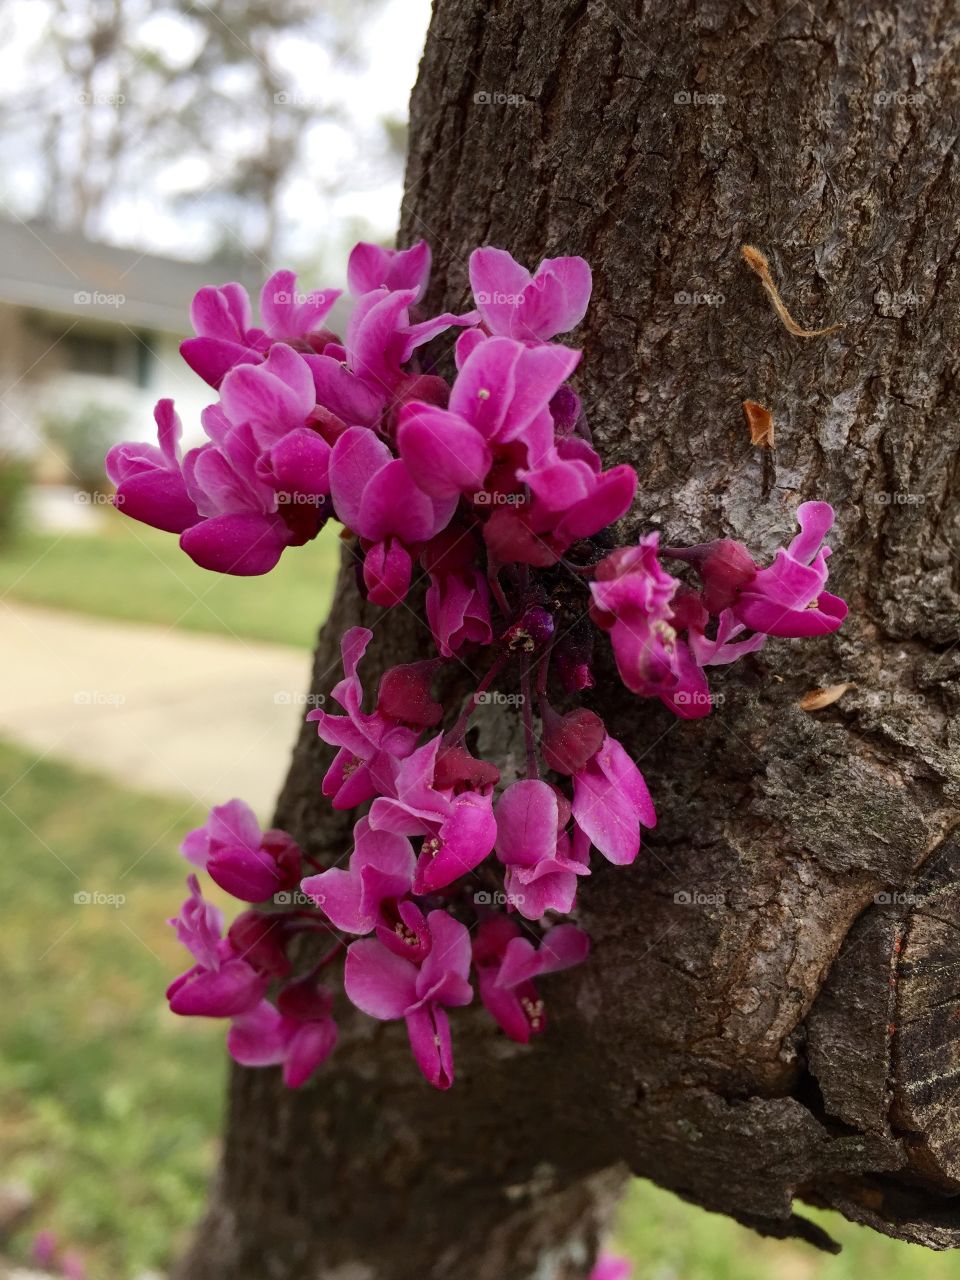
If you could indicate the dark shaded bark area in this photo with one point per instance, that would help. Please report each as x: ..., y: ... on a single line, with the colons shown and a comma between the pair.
x: 770, y: 1012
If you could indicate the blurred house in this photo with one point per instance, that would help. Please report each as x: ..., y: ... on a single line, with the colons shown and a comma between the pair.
x: 90, y: 332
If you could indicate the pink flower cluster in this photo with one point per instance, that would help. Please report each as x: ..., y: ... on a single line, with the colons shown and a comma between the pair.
x: 489, y: 490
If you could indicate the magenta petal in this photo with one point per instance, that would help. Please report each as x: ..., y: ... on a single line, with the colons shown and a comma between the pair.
x: 610, y: 801
x: 277, y: 394
x: 626, y: 780
x: 485, y: 386
x: 610, y: 499
x: 300, y: 464
x: 562, y: 948
x: 234, y: 823
x: 537, y: 890
x: 498, y: 282
x: 337, y: 893
x: 393, y: 505
x: 526, y: 815
x: 815, y: 520
x: 342, y: 392
x: 377, y: 981
x: 761, y: 613
x: 310, y: 1045
x: 445, y: 455
x: 503, y: 1004
x: 159, y: 499
x: 217, y: 993
x: 464, y: 840
x: 556, y: 299
x: 357, y: 455
x: 370, y: 267
x: 521, y: 963
x: 289, y: 315
x: 539, y: 373
x: 256, y: 1038
x: 429, y: 1032
x: 387, y: 568
x: 443, y: 975
x: 213, y: 358
x: 375, y: 337
x: 221, y: 312
x: 245, y: 545
x: 250, y: 877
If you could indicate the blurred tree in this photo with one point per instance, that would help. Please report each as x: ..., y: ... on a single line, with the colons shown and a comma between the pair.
x: 207, y: 108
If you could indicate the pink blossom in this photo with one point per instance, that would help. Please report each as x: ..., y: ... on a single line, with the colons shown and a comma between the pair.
x: 245, y: 529
x: 298, y: 1034
x: 632, y: 601
x: 221, y: 983
x: 248, y: 864
x: 369, y: 743
x: 611, y: 803
x: 375, y: 496
x: 501, y: 394
x: 569, y: 741
x: 372, y: 267
x: 150, y: 485
x: 223, y: 321
x: 387, y: 986
x: 787, y: 598
x: 261, y: 938
x: 458, y: 598
x: 506, y: 964
x: 459, y: 826
x: 369, y: 894
x: 542, y: 862
x: 532, y: 309
x: 381, y: 336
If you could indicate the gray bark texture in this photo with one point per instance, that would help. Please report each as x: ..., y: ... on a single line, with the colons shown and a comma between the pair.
x: 770, y: 1014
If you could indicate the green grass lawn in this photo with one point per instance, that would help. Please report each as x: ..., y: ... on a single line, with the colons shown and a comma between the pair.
x: 129, y: 571
x: 111, y: 1107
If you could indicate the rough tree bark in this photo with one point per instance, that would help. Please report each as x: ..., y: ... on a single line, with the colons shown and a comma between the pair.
x: 770, y: 1010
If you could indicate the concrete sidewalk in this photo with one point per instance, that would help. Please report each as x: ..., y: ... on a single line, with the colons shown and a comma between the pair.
x: 159, y: 709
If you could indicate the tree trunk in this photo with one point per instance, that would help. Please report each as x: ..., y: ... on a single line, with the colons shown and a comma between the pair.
x: 770, y: 1009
